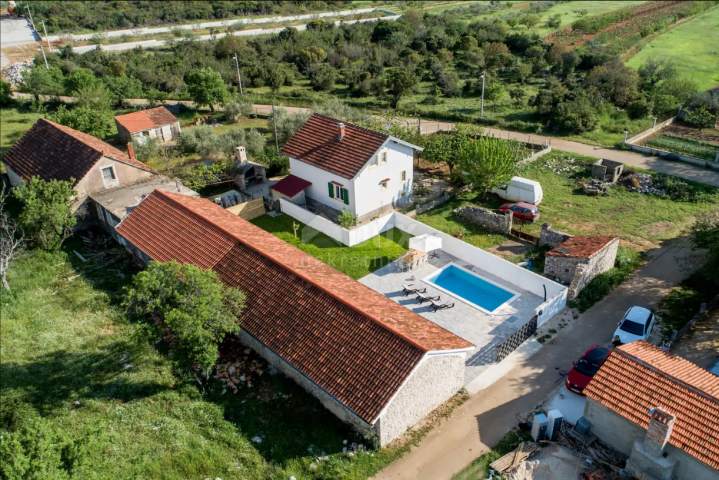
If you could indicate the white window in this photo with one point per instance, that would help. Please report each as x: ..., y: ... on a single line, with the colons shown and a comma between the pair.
x: 109, y: 177
x: 339, y: 194
x: 384, y: 185
x: 373, y: 162
x: 404, y: 175
x: 383, y: 157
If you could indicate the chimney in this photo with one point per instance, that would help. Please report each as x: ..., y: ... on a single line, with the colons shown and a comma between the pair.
x: 659, y: 430
x: 130, y: 151
x: 341, y: 126
x: 241, y: 155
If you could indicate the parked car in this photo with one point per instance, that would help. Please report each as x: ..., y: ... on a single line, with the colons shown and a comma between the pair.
x: 636, y: 325
x: 520, y: 189
x: 521, y: 210
x: 585, y: 368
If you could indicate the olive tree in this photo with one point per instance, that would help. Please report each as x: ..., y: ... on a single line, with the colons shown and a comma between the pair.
x: 488, y: 162
x: 47, y: 216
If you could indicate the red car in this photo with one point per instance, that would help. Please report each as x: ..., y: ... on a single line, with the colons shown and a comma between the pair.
x: 521, y: 210
x: 587, y: 366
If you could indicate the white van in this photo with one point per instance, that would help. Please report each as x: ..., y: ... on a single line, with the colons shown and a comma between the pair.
x: 520, y: 189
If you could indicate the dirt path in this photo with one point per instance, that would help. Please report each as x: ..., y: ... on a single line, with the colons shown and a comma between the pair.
x: 678, y: 169
x: 701, y: 344
x: 490, y: 413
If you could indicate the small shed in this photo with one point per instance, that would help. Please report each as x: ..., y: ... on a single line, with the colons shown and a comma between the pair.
x: 607, y: 171
x: 156, y: 122
x: 290, y: 188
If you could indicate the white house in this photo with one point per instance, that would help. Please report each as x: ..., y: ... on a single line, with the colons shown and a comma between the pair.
x: 350, y: 167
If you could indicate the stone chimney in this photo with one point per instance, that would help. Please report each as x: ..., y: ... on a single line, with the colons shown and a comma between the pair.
x: 659, y: 430
x: 341, y: 127
x: 241, y: 155
x: 130, y: 151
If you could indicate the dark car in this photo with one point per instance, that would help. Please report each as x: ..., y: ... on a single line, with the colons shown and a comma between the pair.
x: 584, y: 369
x: 521, y: 210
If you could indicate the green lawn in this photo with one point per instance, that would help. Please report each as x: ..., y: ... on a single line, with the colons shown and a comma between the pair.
x: 85, y: 396
x: 684, y: 146
x: 357, y: 261
x: 693, y: 47
x: 14, y: 123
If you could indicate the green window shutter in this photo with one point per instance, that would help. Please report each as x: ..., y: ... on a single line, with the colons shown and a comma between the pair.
x: 346, y: 196
x: 332, y: 190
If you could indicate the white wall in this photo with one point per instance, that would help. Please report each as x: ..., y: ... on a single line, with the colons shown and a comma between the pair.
x: 15, y: 179
x: 318, y: 191
x: 368, y: 191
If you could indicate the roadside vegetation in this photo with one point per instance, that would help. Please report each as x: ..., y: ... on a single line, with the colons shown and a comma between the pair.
x: 684, y: 146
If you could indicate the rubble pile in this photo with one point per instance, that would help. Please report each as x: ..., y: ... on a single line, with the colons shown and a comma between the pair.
x: 564, y: 165
x: 644, y: 184
x: 14, y: 73
x: 238, y: 370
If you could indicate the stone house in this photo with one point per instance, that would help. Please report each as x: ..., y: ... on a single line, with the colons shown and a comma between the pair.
x: 350, y: 167
x: 156, y: 122
x: 108, y: 182
x: 658, y: 408
x: 579, y: 259
x: 371, y: 362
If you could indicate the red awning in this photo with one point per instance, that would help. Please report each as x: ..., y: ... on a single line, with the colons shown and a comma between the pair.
x: 291, y: 185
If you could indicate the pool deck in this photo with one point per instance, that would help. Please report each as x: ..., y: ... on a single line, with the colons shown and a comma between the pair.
x: 483, y: 330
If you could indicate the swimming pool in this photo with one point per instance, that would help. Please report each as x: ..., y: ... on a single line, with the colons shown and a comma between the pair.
x: 471, y: 288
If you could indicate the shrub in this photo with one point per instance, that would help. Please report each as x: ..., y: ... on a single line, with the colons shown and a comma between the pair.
x: 235, y: 110
x: 347, y: 219
x: 639, y: 109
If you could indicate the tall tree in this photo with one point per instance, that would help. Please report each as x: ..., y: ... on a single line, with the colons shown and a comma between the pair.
x: 187, y: 306
x: 206, y: 87
x: 447, y: 148
x: 488, y: 162
x: 47, y: 216
x: 400, y: 83
x: 11, y: 239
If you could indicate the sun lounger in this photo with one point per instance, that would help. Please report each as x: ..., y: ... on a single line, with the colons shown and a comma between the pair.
x: 426, y: 298
x: 436, y: 305
x: 412, y: 288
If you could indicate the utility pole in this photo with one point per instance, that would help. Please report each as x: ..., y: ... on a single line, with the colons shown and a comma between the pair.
x: 274, y: 122
x: 30, y: 15
x: 49, y: 47
x: 481, y: 110
x: 239, y: 77
x: 43, y: 56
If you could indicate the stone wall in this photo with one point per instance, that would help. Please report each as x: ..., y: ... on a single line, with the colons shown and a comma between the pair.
x: 561, y: 268
x: 327, y: 400
x: 431, y: 384
x: 552, y: 237
x: 425, y: 207
x: 495, y: 222
x: 578, y: 272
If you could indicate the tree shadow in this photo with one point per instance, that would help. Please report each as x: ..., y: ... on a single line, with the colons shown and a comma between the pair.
x: 61, y: 376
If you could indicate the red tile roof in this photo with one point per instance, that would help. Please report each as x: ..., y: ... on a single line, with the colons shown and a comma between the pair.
x: 291, y: 185
x: 350, y: 340
x: 639, y: 376
x: 581, y: 246
x: 145, y: 119
x: 317, y: 143
x: 53, y: 151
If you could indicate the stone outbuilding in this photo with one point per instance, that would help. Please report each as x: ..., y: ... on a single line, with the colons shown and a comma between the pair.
x: 579, y: 259
x: 156, y: 122
x: 658, y: 408
x: 290, y: 188
x: 373, y: 363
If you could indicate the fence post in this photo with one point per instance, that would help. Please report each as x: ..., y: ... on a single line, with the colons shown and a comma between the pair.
x: 654, y: 125
x: 625, y: 137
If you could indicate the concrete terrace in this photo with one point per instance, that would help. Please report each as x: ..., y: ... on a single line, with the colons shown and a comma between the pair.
x: 485, y: 331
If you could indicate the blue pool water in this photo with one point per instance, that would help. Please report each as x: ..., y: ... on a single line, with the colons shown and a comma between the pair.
x: 471, y: 288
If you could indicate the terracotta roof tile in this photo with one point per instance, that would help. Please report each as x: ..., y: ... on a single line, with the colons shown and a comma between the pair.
x: 53, y: 151
x: 317, y: 143
x: 350, y: 340
x: 145, y: 119
x: 639, y: 376
x: 291, y: 185
x: 581, y: 246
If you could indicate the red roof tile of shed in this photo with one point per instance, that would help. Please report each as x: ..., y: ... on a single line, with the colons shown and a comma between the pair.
x: 639, y: 376
x: 55, y: 152
x: 146, y: 119
x: 317, y: 143
x: 581, y: 246
x: 291, y: 185
x: 350, y: 340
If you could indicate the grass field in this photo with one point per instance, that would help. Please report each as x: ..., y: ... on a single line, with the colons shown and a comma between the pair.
x: 692, y: 46
x: 357, y: 261
x: 13, y: 125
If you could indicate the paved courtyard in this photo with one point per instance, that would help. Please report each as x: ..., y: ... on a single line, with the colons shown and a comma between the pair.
x: 484, y: 330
